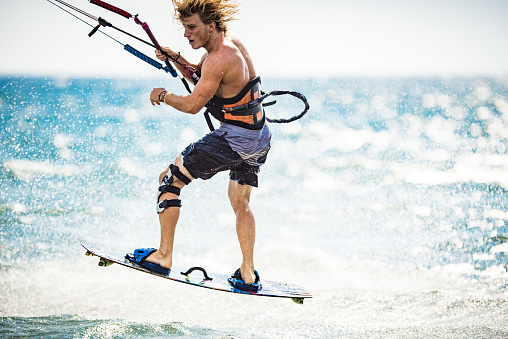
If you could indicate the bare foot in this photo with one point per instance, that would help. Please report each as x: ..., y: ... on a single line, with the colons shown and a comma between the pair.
x: 158, y: 258
x: 248, y: 277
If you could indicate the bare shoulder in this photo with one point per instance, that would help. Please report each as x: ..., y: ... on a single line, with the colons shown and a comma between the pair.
x: 236, y: 41
x: 228, y: 66
x: 217, y: 62
x: 225, y: 59
x: 243, y: 50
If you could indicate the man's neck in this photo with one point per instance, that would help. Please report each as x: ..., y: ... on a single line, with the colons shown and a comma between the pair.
x: 216, y: 39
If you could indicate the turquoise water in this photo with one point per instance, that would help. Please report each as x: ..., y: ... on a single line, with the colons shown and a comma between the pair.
x: 388, y: 202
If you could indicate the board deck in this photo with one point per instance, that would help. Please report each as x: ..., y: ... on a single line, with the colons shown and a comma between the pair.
x: 197, y: 277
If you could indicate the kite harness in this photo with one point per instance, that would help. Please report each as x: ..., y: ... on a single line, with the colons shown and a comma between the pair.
x: 244, y: 110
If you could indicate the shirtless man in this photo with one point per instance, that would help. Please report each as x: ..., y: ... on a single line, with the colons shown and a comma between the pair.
x: 240, y: 145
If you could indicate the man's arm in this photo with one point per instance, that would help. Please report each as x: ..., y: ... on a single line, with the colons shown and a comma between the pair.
x: 211, y: 77
x: 180, y: 58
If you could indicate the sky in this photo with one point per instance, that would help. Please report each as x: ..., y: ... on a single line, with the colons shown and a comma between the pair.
x: 302, y: 39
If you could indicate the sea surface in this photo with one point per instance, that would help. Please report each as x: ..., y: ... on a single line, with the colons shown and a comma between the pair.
x: 388, y: 202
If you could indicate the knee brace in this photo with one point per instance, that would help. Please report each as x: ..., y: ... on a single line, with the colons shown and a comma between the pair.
x: 167, y: 187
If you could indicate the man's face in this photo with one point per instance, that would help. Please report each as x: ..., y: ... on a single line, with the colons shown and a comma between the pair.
x: 196, y: 31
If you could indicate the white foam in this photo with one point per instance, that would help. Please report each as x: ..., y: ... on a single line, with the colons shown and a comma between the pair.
x: 441, y: 130
x: 502, y: 248
x: 66, y: 153
x: 484, y: 113
x: 62, y: 140
x: 131, y: 168
x: 483, y: 92
x: 293, y: 128
x: 431, y: 176
x: 456, y: 112
x: 497, y: 128
x: 19, y: 208
x: 502, y: 106
x: 436, y: 100
x: 27, y: 169
x: 495, y: 214
x: 131, y: 115
x: 483, y: 256
x: 477, y: 168
x: 475, y: 130
x: 188, y: 135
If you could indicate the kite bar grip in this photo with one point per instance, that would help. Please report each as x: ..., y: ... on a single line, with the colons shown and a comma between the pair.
x: 111, y: 8
x: 192, y: 269
x: 146, y: 58
x: 146, y: 28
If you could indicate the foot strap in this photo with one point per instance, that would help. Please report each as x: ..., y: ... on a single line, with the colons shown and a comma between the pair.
x: 237, y: 282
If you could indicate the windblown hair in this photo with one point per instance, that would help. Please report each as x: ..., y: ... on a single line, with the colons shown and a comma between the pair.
x: 218, y: 11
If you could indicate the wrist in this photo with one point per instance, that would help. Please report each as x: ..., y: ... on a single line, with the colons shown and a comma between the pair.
x: 162, y: 95
x: 166, y: 94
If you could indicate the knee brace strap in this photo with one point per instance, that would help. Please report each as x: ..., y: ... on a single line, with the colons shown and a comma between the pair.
x: 167, y: 187
x: 161, y: 206
x: 175, y: 170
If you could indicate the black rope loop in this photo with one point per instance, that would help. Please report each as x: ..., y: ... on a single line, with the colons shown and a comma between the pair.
x: 294, y: 118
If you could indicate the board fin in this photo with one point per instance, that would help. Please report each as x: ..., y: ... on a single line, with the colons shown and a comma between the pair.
x: 103, y: 262
x: 299, y: 301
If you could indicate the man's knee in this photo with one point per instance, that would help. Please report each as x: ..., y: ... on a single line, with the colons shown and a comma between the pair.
x: 180, y: 175
x: 171, y: 183
x: 163, y: 175
x: 239, y: 196
x: 238, y: 203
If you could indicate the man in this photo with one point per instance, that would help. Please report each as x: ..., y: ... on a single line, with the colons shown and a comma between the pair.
x: 241, y: 144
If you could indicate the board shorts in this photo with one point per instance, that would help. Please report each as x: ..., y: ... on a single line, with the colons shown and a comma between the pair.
x: 213, y: 154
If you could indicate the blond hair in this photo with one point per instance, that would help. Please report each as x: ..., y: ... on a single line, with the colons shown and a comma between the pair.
x: 219, y: 11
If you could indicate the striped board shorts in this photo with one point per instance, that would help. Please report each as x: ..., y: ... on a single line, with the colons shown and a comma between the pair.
x: 224, y: 149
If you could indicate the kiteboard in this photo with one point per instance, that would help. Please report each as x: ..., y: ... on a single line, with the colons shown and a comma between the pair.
x: 198, y: 276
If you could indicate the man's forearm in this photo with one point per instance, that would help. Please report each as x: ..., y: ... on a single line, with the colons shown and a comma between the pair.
x: 178, y: 57
x: 182, y: 103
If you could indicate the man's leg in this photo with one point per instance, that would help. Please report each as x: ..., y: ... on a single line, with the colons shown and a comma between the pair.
x: 239, y: 196
x: 168, y: 219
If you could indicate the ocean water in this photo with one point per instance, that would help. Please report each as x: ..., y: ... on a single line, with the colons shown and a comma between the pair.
x: 387, y: 201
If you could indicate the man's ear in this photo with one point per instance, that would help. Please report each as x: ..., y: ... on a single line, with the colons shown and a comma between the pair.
x: 212, y: 26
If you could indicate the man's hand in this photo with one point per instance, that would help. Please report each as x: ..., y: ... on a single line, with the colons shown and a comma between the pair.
x: 161, y: 56
x: 155, y: 96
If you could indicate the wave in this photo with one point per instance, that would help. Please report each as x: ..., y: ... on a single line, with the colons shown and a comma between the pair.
x: 69, y: 326
x: 27, y: 169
